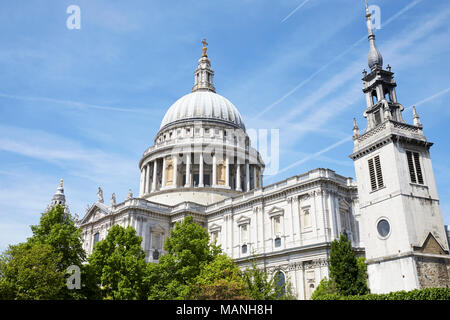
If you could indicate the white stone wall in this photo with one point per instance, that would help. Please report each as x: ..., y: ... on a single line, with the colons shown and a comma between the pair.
x: 302, y: 254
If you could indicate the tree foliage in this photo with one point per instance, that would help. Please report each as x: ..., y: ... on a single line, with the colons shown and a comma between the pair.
x: 30, y: 271
x: 57, y: 229
x: 345, y: 271
x: 326, y: 287
x: 54, y: 246
x: 221, y: 279
x: 262, y: 286
x: 188, y: 251
x: 118, y: 264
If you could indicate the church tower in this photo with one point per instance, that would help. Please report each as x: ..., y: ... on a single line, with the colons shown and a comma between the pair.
x: 401, y: 222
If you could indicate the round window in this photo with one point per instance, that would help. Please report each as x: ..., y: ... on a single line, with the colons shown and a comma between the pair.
x: 383, y: 228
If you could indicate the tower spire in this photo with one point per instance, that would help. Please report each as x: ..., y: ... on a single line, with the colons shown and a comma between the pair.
x: 375, y: 60
x: 204, y: 74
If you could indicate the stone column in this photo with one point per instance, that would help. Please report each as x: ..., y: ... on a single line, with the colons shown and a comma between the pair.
x: 260, y: 178
x: 227, y: 172
x: 254, y: 177
x: 155, y: 167
x: 142, y: 186
x: 163, y: 182
x: 238, y: 175
x: 175, y: 171
x: 147, y: 178
x: 200, y: 183
x: 188, y: 170
x: 247, y: 176
x: 214, y: 171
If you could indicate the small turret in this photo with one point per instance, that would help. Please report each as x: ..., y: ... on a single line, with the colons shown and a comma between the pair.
x: 416, y: 118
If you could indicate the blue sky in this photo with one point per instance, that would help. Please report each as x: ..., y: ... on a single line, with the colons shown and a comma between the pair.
x: 85, y: 104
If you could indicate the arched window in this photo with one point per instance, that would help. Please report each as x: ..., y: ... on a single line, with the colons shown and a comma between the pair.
x: 387, y: 95
x: 374, y: 97
x: 280, y: 283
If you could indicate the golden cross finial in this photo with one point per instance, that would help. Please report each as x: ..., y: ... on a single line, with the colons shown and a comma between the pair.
x: 368, y: 15
x: 61, y: 183
x: 204, y: 47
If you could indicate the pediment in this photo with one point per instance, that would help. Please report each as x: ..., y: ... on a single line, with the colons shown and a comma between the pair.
x: 344, y: 205
x: 157, y: 228
x: 214, y: 227
x: 243, y: 220
x: 431, y: 245
x: 97, y: 211
x: 275, y: 211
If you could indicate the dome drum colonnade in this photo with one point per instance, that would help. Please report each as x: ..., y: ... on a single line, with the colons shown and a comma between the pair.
x: 202, y: 143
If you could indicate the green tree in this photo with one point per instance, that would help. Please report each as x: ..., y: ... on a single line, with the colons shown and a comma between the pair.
x: 221, y: 279
x: 57, y: 229
x: 262, y: 286
x: 30, y: 271
x: 118, y: 264
x: 349, y: 277
x: 188, y: 251
x: 326, y: 287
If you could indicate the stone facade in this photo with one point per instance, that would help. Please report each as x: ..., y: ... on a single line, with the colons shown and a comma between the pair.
x: 433, y: 271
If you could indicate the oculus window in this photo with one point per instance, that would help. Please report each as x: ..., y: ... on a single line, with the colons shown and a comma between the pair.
x: 383, y: 228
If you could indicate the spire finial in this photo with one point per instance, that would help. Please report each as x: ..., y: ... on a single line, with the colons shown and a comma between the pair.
x: 205, y: 44
x: 375, y: 58
x: 61, y: 183
x: 416, y: 117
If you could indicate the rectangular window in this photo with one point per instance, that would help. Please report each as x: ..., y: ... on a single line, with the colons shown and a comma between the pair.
x: 376, y: 176
x: 156, y: 240
x: 306, y: 218
x: 96, y: 238
x: 415, y: 170
x: 276, y: 226
x: 244, y: 233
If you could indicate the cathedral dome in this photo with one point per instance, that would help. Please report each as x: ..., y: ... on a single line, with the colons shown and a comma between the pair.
x: 203, y: 105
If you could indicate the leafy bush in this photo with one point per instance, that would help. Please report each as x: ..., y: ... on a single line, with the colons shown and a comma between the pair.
x: 326, y: 288
x: 417, y: 294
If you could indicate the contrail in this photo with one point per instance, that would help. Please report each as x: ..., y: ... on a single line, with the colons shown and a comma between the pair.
x: 75, y: 104
x: 332, y: 61
x: 440, y: 93
x: 314, y: 155
x: 295, y: 10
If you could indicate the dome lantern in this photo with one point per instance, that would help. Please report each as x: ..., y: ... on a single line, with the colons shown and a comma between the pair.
x: 204, y: 75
